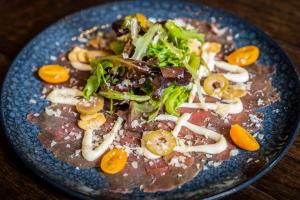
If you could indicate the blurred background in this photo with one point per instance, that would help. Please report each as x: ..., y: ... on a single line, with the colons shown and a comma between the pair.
x: 21, y: 20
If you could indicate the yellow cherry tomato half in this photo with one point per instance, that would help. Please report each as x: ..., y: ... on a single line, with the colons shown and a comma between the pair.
x: 91, y: 106
x: 243, y: 138
x: 113, y: 161
x: 54, y: 73
x: 243, y: 56
x: 215, y: 84
x: 159, y: 142
x: 93, y: 121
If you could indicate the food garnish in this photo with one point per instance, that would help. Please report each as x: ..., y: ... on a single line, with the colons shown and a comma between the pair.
x: 54, y: 73
x: 159, y: 142
x: 154, y: 90
x: 93, y: 121
x: 113, y: 161
x: 244, y: 56
x: 215, y: 84
x: 91, y: 106
x: 243, y: 139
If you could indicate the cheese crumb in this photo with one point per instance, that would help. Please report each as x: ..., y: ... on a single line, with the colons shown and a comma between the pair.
x: 32, y: 101
x: 217, y: 164
x: 134, y: 123
x: 51, y: 112
x: 234, y: 152
x: 53, y: 143
x: 134, y: 164
x: 260, y: 136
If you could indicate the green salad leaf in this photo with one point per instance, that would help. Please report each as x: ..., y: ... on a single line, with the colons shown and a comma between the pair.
x: 192, y: 64
x: 166, y: 53
x: 98, y: 77
x: 179, y: 95
x: 141, y: 43
x: 172, y: 97
x: 132, y: 24
x: 183, y: 34
x: 128, y: 96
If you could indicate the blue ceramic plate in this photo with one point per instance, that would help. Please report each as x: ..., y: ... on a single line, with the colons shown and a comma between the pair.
x: 21, y: 85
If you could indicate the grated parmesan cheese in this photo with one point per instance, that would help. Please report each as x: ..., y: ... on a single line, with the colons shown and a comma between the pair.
x: 32, y: 101
x: 234, y: 152
x: 52, y: 112
x: 134, y: 123
x: 134, y: 164
x: 53, y: 143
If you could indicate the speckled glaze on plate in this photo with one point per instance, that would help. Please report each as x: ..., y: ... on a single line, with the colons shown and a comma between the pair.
x: 21, y: 85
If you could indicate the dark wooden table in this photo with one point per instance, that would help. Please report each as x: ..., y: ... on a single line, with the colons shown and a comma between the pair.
x: 22, y: 20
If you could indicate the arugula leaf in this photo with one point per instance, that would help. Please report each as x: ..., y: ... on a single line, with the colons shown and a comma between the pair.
x: 183, y: 34
x: 112, y: 94
x: 172, y: 97
x: 141, y: 43
x: 91, y: 86
x: 144, y: 107
x: 98, y: 77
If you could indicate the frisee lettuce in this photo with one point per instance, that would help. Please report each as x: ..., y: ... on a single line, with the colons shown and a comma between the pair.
x: 179, y: 33
x: 141, y: 43
x: 166, y: 53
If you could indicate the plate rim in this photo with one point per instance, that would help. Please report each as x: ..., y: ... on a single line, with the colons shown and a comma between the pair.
x: 283, y: 151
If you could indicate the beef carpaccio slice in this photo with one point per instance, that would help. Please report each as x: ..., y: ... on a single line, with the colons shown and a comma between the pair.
x: 60, y: 134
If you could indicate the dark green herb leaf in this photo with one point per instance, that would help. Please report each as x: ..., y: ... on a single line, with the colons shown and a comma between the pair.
x: 112, y: 94
x: 141, y: 43
x: 98, y: 77
x: 183, y: 34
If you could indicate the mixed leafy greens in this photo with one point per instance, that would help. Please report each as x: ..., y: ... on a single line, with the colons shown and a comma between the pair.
x: 154, y: 46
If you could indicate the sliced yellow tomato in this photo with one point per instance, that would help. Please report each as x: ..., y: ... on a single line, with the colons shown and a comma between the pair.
x: 91, y: 106
x: 159, y: 142
x: 243, y: 56
x: 54, y: 73
x: 215, y: 84
x: 113, y: 161
x: 243, y: 138
x: 91, y: 122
